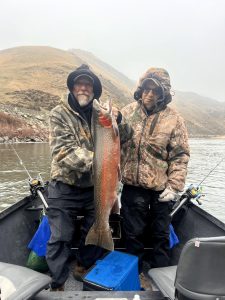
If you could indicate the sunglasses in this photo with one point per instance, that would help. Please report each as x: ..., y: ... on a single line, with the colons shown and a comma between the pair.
x: 156, y: 91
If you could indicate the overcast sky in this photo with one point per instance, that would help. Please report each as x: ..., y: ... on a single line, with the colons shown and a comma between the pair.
x: 186, y: 37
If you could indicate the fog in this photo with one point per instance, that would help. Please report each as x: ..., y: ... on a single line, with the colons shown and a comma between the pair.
x: 185, y: 37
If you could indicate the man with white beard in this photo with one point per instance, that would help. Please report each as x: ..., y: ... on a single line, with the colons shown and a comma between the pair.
x: 71, y: 191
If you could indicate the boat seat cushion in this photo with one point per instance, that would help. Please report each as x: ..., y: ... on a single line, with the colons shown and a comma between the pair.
x: 201, y: 269
x: 18, y: 282
x: 164, y: 278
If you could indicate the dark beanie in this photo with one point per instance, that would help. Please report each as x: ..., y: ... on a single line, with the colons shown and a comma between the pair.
x: 85, y: 70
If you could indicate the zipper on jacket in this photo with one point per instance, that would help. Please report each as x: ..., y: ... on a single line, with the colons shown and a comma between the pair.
x: 139, y: 152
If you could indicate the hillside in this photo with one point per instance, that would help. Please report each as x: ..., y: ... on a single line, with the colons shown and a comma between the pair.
x: 32, y: 80
x: 45, y: 70
x: 109, y: 72
x: 204, y: 116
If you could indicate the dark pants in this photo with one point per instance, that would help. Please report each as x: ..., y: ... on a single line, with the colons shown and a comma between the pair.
x: 139, y: 207
x: 65, y: 204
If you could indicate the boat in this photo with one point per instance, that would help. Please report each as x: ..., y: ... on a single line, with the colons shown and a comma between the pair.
x: 193, y: 226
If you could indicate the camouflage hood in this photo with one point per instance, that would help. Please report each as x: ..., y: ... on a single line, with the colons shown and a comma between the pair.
x: 160, y: 77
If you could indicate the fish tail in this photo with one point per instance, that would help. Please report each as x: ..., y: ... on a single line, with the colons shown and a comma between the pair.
x: 101, y: 238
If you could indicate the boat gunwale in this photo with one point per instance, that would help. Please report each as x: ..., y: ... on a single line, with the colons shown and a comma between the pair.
x: 91, y: 295
x: 15, y: 206
x: 29, y: 199
x: 208, y: 216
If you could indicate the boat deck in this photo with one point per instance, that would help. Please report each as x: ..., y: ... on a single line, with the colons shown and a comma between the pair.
x: 190, y: 222
x: 74, y: 290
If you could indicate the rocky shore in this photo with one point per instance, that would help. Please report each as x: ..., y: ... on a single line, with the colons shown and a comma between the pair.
x: 24, y: 125
x: 18, y: 124
x: 33, y: 139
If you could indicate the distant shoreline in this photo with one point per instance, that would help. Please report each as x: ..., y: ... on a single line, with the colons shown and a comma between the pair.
x: 37, y: 140
x: 216, y: 137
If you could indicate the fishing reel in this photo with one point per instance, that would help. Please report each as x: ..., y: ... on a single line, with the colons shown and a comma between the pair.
x: 36, y: 184
x: 194, y: 192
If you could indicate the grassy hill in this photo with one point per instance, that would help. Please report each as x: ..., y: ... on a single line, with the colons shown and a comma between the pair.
x: 32, y: 80
x: 204, y: 116
x: 110, y: 73
x: 40, y: 73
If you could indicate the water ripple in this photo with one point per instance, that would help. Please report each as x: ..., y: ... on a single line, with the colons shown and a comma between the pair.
x: 205, y: 155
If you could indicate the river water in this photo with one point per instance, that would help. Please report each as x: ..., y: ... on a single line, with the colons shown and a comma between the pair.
x: 205, y: 155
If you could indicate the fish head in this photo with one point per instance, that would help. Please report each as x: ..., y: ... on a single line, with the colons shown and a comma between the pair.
x: 104, y: 113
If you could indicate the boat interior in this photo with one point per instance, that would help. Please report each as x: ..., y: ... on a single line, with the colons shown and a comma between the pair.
x: 196, y: 271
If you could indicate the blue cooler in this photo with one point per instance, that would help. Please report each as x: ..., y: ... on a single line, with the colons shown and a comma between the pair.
x: 117, y: 271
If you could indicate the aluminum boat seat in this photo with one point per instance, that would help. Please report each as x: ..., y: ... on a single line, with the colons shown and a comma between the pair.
x: 164, y: 279
x: 200, y: 274
x: 18, y: 282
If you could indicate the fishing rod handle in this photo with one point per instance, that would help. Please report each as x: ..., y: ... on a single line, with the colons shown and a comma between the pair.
x: 183, y: 201
x: 42, y: 199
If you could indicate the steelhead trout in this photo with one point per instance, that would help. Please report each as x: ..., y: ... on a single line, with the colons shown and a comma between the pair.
x: 106, y: 172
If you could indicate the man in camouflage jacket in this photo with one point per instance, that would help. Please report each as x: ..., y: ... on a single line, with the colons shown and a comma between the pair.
x: 71, y: 191
x: 154, y: 165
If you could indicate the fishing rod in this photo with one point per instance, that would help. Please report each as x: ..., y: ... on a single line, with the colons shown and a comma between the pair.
x: 192, y: 192
x: 21, y: 162
x: 210, y: 172
x: 35, y: 185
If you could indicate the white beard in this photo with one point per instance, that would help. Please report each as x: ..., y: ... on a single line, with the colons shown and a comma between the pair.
x: 84, y: 100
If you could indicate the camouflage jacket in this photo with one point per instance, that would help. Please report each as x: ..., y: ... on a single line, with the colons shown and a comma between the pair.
x: 158, y: 153
x: 71, y: 144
